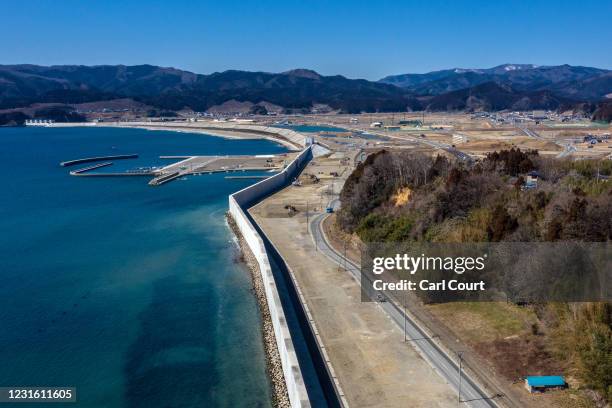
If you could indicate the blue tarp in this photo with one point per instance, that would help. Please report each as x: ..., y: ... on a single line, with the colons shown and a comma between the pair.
x: 546, y: 381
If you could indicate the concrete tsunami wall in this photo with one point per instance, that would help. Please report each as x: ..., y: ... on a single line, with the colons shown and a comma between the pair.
x: 238, y: 204
x: 289, y: 135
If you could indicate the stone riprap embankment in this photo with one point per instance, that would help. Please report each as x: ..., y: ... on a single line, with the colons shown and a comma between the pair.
x: 273, y: 360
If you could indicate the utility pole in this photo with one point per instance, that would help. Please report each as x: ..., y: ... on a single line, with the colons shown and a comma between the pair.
x: 460, y: 354
x: 405, y: 318
x: 307, y: 218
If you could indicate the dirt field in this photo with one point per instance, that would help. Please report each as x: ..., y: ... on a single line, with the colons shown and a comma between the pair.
x: 375, y: 367
x: 484, y: 135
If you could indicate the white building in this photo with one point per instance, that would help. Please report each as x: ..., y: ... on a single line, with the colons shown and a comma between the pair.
x: 39, y: 122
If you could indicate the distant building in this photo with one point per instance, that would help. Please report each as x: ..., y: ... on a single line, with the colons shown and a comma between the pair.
x: 544, y: 382
x: 39, y: 122
x: 532, y: 179
x: 413, y: 123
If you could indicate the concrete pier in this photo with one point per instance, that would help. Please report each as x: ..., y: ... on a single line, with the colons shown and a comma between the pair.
x: 220, y: 164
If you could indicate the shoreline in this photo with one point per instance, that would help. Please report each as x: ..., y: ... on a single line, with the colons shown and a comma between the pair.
x: 247, y: 134
x: 280, y: 396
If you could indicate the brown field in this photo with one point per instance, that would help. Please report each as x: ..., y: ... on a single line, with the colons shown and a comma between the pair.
x: 484, y: 135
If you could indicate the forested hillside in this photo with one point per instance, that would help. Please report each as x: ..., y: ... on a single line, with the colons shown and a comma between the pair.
x: 400, y: 196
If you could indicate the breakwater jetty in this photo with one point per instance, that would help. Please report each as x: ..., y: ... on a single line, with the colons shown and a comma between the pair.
x: 164, y: 178
x: 85, y: 169
x: 131, y: 173
x: 98, y: 158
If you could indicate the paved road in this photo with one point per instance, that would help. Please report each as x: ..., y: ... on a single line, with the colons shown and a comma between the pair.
x: 568, y: 148
x: 531, y: 133
x: 406, y: 138
x: 471, y: 394
x: 436, y: 145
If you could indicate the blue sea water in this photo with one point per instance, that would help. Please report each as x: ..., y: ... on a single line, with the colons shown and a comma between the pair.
x: 129, y: 293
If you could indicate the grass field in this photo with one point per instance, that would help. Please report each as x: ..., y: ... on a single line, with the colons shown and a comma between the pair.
x: 484, y: 321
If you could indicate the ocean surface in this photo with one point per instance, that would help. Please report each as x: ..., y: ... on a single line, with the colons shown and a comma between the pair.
x: 130, y: 293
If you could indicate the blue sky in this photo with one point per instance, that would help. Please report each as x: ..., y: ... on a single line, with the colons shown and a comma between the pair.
x: 358, y: 39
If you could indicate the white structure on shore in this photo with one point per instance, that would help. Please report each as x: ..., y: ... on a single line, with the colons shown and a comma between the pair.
x: 238, y: 204
x: 459, y: 138
x: 39, y: 122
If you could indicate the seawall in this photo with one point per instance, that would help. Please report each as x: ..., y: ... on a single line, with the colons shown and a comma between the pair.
x: 238, y: 203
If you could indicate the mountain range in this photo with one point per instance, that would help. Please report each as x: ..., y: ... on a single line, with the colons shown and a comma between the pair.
x: 172, y: 89
x: 510, y: 86
x: 576, y: 82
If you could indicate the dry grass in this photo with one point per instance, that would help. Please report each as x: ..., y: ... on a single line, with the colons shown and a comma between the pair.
x: 401, y: 197
x: 478, y: 322
x: 502, y: 334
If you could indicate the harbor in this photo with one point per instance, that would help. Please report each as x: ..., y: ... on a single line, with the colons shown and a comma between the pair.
x: 187, y: 165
